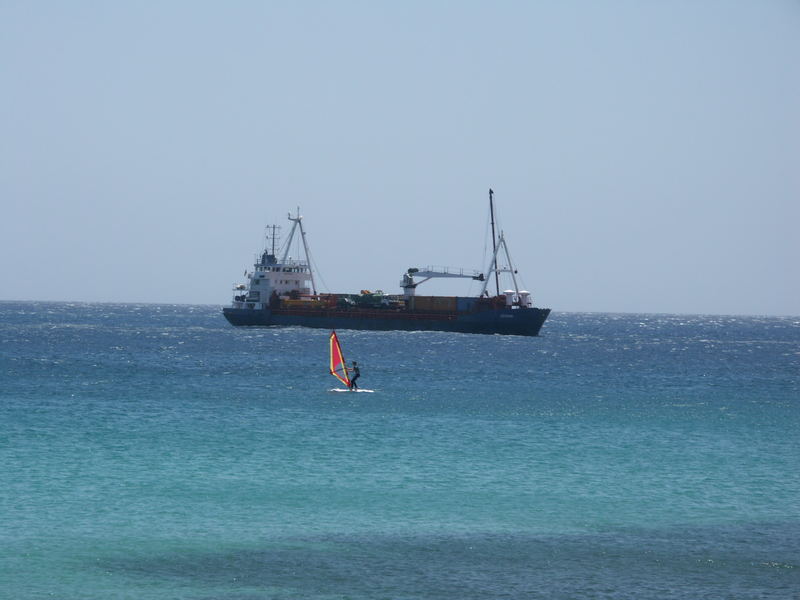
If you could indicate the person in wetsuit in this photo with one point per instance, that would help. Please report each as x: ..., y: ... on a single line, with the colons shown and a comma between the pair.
x: 356, y: 375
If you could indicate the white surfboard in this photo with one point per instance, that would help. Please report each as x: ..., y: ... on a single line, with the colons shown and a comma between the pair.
x: 353, y: 391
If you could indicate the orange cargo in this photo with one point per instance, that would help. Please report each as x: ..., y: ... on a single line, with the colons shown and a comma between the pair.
x: 434, y: 303
x: 308, y: 304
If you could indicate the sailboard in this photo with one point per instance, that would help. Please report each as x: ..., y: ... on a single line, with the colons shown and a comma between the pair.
x: 338, y: 366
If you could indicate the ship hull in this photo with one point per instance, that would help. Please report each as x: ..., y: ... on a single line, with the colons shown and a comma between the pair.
x: 504, y: 321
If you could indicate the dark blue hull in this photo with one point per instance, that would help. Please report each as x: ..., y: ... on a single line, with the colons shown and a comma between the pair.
x: 505, y: 321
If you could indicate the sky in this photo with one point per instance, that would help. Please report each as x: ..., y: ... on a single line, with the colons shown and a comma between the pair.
x: 643, y: 154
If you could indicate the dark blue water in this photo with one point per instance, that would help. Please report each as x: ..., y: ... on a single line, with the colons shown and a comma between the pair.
x: 156, y: 452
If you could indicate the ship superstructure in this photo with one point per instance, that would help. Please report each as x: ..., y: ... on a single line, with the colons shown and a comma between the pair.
x: 273, y: 279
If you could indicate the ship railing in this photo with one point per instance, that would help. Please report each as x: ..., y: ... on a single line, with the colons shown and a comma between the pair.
x: 452, y: 271
x: 290, y: 264
x: 249, y: 304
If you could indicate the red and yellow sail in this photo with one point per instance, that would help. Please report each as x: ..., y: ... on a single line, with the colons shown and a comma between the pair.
x: 338, y: 366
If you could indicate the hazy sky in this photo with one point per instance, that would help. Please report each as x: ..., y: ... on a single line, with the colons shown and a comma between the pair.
x: 644, y: 154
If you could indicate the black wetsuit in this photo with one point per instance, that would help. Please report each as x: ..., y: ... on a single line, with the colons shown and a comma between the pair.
x: 356, y: 375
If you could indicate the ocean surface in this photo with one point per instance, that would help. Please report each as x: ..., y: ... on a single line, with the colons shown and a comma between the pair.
x: 155, y: 452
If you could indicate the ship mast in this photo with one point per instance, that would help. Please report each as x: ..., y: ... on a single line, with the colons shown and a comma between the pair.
x: 308, y: 256
x: 498, y: 243
x: 494, y: 240
x: 274, y: 227
x: 298, y: 221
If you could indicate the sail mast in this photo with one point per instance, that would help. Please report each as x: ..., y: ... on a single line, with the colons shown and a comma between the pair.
x: 494, y: 240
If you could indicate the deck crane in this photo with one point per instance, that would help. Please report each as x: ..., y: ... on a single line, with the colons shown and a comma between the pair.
x: 409, y: 285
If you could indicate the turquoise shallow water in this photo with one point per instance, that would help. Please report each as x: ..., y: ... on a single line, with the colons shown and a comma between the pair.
x: 156, y: 452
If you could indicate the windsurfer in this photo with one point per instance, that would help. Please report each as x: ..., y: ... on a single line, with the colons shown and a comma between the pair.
x: 356, y: 375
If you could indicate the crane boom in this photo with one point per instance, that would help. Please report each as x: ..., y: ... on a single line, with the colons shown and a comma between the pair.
x: 409, y: 285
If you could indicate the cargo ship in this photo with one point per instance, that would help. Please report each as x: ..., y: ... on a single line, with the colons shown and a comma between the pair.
x: 281, y: 291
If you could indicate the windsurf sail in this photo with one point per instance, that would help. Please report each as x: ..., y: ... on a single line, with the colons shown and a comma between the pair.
x: 338, y: 366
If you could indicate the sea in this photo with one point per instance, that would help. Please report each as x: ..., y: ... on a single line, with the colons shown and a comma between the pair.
x: 156, y: 452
